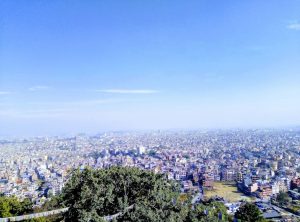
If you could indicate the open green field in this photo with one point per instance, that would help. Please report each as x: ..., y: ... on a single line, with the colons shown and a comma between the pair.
x: 226, y: 190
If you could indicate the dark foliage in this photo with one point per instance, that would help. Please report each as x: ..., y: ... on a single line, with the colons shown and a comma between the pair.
x: 249, y: 213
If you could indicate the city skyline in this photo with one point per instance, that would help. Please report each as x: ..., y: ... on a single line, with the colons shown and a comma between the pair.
x: 68, y: 67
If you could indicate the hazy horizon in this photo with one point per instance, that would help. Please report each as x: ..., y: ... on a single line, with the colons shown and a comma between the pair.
x: 77, y: 66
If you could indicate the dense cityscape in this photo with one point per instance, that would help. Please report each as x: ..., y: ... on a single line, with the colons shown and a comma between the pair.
x: 150, y: 111
x: 259, y: 164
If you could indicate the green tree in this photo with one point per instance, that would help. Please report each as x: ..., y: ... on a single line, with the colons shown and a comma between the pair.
x: 152, y: 153
x: 282, y: 198
x: 11, y: 206
x: 249, y: 212
x: 5, y: 207
x: 26, y: 206
x: 52, y: 204
x: 137, y: 194
x: 208, y: 211
x: 92, y: 194
x: 40, y: 219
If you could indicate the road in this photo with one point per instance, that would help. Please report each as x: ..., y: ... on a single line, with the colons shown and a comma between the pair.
x: 284, y: 212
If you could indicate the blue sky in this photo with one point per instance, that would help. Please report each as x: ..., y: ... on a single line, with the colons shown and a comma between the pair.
x: 89, y: 66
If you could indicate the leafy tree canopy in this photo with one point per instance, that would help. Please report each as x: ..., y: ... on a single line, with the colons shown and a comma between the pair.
x: 248, y: 213
x: 92, y: 194
x: 282, y: 198
x: 11, y: 206
x: 140, y: 196
x: 208, y: 211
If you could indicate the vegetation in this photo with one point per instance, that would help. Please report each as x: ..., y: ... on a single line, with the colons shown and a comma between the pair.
x: 10, y: 206
x: 249, y: 213
x: 186, y: 156
x: 54, y: 203
x: 139, y: 195
x: 208, y: 211
x: 92, y: 194
x: 152, y: 153
x: 283, y: 198
x: 131, y: 194
x: 40, y: 219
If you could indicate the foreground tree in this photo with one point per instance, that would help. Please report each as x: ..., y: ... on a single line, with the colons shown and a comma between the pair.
x: 133, y: 194
x: 249, y: 213
x: 139, y: 195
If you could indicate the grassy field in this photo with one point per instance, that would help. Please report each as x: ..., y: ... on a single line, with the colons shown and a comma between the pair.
x: 228, y: 191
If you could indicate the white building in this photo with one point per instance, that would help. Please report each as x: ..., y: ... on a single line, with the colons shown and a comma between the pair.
x: 141, y: 150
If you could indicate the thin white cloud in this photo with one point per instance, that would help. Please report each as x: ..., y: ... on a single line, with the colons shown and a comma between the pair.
x: 91, y: 102
x: 38, y: 88
x: 294, y: 26
x: 4, y: 92
x: 62, y: 109
x: 128, y: 91
x: 76, y: 103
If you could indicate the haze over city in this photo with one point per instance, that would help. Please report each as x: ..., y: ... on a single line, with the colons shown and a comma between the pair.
x: 89, y: 66
x: 150, y: 111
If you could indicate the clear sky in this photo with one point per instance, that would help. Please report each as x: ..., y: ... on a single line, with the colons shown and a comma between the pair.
x: 88, y: 66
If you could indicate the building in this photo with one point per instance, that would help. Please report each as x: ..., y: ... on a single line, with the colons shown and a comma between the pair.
x: 141, y: 150
x: 265, y: 192
x: 228, y: 175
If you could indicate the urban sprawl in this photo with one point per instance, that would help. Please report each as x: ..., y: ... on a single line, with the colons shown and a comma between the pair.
x: 259, y: 164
